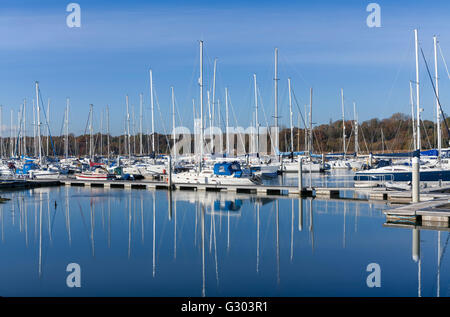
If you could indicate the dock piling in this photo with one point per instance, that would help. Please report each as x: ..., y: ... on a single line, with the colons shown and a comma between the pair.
x: 170, y: 173
x: 300, y: 176
x: 415, y: 179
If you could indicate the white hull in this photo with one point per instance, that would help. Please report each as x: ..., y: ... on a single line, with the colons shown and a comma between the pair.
x: 210, y: 179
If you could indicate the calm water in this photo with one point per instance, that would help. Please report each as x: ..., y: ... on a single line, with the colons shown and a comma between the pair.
x: 135, y: 243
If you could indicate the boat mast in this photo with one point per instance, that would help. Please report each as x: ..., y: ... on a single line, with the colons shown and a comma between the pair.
x: 276, y: 100
x: 140, y: 123
x: 310, y: 122
x: 214, y: 90
x: 1, y: 131
x: 107, y: 127
x: 201, y: 106
x: 290, y: 114
x: 343, y: 122
x: 128, y: 130
x: 101, y: 133
x: 34, y: 130
x: 174, y: 153
x: 48, y: 124
x: 306, y: 130
x: 210, y: 120
x: 38, y: 123
x: 256, y: 114
x: 66, y: 145
x: 416, y: 40
x: 227, y: 122
x: 411, y: 98
x: 11, y: 136
x: 152, y: 108
x: 356, y: 129
x: 438, y: 119
x: 24, y: 142
x: 91, y: 136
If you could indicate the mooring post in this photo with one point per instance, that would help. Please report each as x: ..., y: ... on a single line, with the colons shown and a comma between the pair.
x: 323, y: 161
x: 300, y: 176
x: 170, y: 173
x: 416, y: 177
x: 370, y: 159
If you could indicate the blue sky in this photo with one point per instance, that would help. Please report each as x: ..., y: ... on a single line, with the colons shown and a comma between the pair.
x: 325, y: 45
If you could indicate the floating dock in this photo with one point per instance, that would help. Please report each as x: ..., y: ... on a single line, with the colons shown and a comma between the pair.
x: 433, y: 213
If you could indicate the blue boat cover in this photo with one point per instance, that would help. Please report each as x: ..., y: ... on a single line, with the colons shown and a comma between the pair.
x: 227, y: 168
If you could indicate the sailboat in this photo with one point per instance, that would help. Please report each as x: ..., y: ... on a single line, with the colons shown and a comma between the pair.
x: 224, y: 173
x: 430, y: 170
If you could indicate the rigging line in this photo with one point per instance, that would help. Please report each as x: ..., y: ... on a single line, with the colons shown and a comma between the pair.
x: 426, y: 133
x: 435, y: 93
x: 364, y: 138
x: 298, y: 107
x: 443, y: 59
x: 162, y: 121
x: 45, y: 116
x: 313, y: 132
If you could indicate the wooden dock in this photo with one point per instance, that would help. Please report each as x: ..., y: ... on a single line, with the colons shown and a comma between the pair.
x: 431, y: 213
x: 21, y: 183
x: 370, y: 194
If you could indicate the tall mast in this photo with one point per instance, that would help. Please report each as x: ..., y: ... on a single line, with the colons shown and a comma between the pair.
x: 91, y: 133
x: 210, y: 118
x: 173, y: 124
x: 140, y: 123
x: 38, y: 123
x: 276, y: 99
x: 256, y: 114
x: 152, y: 108
x: 290, y: 114
x: 128, y: 129
x: 356, y: 129
x: 438, y: 119
x: 416, y: 38
x: 201, y: 105
x: 411, y: 98
x: 306, y: 130
x: 227, y: 122
x: 48, y: 125
x: 107, y: 126
x: 34, y: 130
x: 11, y: 136
x: 1, y: 131
x: 24, y: 142
x: 214, y: 90
x: 66, y: 145
x: 310, y: 121
x: 101, y: 133
x: 343, y: 122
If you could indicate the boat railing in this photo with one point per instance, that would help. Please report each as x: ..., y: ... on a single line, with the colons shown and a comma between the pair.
x: 376, y: 179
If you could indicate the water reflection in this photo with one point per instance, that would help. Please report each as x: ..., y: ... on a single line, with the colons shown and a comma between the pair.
x: 203, y: 243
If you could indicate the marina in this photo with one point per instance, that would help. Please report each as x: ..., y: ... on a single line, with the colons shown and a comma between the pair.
x: 224, y: 150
